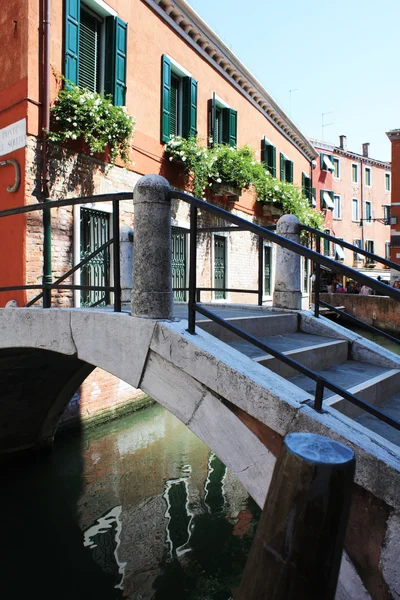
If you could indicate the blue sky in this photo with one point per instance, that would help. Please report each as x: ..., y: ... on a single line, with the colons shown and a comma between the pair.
x: 340, y: 55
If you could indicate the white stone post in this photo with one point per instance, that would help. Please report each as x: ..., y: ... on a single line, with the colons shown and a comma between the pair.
x: 126, y: 262
x: 152, y: 296
x: 287, y: 292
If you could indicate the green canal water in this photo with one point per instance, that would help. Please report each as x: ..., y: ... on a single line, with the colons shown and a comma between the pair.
x: 139, y: 509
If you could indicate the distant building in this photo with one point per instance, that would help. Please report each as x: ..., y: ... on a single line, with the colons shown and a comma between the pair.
x: 354, y: 191
x: 394, y: 137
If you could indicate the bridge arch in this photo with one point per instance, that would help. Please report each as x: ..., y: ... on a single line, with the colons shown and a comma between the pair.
x: 45, y: 355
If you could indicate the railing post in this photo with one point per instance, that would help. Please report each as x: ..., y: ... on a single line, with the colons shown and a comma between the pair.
x: 192, y: 271
x: 260, y: 269
x: 47, y: 268
x: 287, y: 292
x: 116, y: 257
x: 152, y: 296
x: 297, y: 549
x: 317, y: 267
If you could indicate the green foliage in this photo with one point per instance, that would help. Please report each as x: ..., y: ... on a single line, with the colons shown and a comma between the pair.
x: 81, y: 114
x: 237, y: 167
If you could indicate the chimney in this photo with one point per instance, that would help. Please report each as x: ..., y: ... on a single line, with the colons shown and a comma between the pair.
x: 365, y: 149
x: 343, y: 142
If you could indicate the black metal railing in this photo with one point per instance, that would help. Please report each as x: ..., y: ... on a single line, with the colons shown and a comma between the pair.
x: 194, y: 305
x: 318, y: 259
x: 382, y: 288
x: 114, y: 242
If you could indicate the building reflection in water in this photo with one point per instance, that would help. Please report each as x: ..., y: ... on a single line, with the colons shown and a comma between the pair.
x: 192, y: 527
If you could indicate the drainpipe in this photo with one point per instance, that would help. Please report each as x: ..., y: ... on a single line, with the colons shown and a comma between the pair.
x: 47, y: 270
x: 362, y: 204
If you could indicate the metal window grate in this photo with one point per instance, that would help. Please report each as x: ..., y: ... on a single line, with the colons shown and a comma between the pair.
x: 95, y: 231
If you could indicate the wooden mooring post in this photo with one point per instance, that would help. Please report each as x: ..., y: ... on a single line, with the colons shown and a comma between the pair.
x: 298, y: 545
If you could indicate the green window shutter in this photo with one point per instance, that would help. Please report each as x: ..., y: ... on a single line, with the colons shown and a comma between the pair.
x: 116, y: 58
x: 321, y: 158
x: 71, y: 40
x: 290, y: 171
x: 272, y: 160
x: 282, y: 166
x: 121, y: 36
x: 264, y: 153
x: 229, y: 126
x: 189, y: 116
x: 88, y: 51
x: 174, y: 105
x: 303, y: 184
x: 165, y: 99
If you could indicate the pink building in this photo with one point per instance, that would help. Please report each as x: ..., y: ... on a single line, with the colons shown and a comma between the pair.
x: 354, y: 192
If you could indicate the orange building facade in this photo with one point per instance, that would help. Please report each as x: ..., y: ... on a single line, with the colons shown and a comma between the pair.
x: 152, y: 32
x: 354, y: 192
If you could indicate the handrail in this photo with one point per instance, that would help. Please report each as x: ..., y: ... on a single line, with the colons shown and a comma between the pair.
x: 194, y: 305
x: 342, y: 243
x: 289, y: 245
x: 320, y: 381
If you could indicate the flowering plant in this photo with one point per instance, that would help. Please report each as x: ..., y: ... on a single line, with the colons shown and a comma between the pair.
x: 237, y: 167
x: 81, y: 114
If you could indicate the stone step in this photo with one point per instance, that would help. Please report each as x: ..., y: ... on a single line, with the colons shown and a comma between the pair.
x: 266, y: 324
x: 313, y: 351
x: 392, y: 408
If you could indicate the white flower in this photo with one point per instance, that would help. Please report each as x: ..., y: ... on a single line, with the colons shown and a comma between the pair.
x: 75, y: 124
x: 74, y: 136
x: 219, y: 180
x: 276, y: 188
x: 183, y: 158
x: 170, y: 158
x: 57, y: 118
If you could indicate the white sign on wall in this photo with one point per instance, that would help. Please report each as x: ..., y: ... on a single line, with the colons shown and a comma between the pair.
x: 13, y: 137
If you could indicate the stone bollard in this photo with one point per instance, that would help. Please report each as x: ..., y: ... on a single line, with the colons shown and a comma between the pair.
x: 126, y: 262
x: 297, y: 549
x: 287, y: 292
x: 152, y: 296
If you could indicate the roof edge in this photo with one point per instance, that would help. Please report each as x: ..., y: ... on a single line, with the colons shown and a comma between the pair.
x: 196, y: 31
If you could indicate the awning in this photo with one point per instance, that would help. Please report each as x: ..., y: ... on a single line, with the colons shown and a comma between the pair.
x: 327, y: 200
x: 327, y: 163
x: 339, y: 252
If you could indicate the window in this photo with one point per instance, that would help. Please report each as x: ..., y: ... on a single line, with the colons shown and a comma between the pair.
x: 88, y: 34
x: 336, y: 168
x: 306, y: 187
x: 327, y: 244
x: 386, y: 214
x: 369, y: 246
x: 337, y: 209
x: 339, y: 252
x: 267, y: 270
x: 222, y: 122
x: 368, y: 212
x: 286, y: 168
x: 387, y: 250
x: 306, y: 270
x: 268, y: 156
x: 355, y: 214
x: 354, y: 173
x: 387, y: 182
x: 326, y: 199
x: 179, y: 101
x: 367, y: 176
x: 327, y: 162
x: 356, y: 256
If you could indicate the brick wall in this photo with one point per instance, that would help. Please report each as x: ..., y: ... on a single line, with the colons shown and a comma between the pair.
x: 379, y: 311
x: 100, y: 397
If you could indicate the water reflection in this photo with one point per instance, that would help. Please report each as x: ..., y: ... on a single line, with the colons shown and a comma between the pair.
x: 137, y: 509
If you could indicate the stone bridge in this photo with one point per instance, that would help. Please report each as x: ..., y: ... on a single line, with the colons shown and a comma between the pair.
x: 240, y: 405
